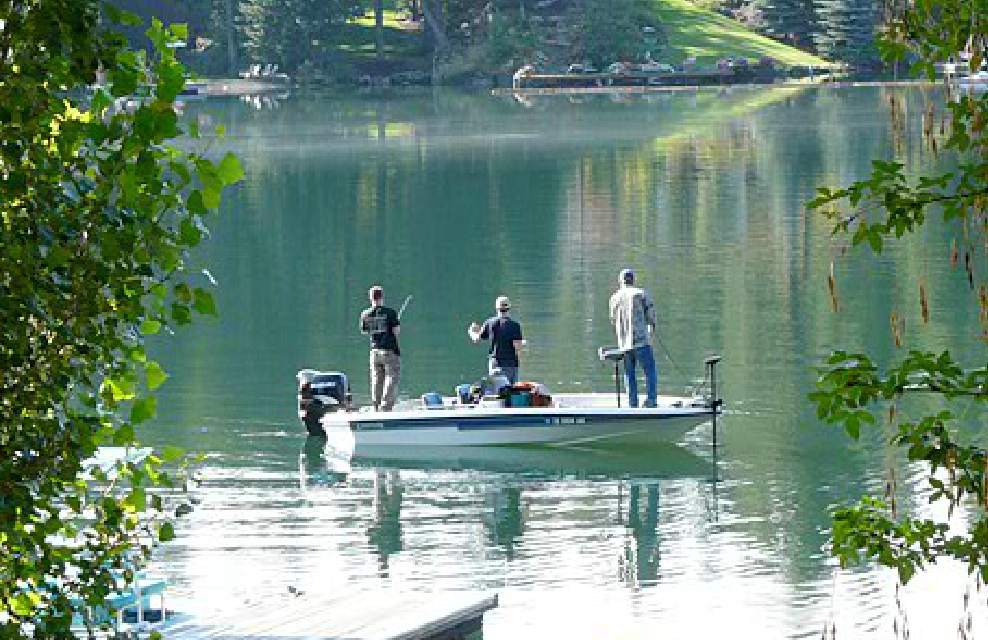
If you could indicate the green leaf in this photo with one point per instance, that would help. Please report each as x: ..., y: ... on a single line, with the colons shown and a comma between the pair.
x: 203, y: 302
x: 182, y: 292
x: 189, y: 234
x: 196, y: 204
x: 166, y: 532
x: 150, y: 327
x: 123, y: 435
x: 143, y: 410
x: 136, y: 500
x: 121, y: 388
x: 181, y: 313
x: 230, y: 170
x: 155, y: 374
x: 172, y: 453
x: 25, y: 603
x: 875, y: 240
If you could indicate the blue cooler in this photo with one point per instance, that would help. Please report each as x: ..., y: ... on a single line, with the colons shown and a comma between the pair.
x: 520, y: 399
x: 432, y: 399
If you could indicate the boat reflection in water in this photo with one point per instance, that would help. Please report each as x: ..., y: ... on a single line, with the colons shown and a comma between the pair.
x: 659, y: 461
x: 511, y: 484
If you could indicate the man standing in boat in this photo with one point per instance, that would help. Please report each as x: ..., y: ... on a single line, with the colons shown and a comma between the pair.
x: 633, y: 315
x: 506, y: 341
x: 383, y: 326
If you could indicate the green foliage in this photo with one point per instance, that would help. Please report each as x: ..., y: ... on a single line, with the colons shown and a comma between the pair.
x: 95, y: 212
x: 852, y: 389
x: 612, y: 32
x: 508, y: 41
x: 294, y: 33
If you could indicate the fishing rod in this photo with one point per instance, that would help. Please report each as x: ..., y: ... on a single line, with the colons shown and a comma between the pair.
x: 403, y: 305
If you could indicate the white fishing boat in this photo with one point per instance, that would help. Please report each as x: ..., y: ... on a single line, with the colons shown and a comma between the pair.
x: 517, y: 415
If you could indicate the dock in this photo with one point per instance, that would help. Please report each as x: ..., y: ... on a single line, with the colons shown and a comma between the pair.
x: 358, y: 615
x: 633, y: 79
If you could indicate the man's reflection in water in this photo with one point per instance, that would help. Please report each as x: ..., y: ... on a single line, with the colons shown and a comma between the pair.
x: 384, y: 533
x: 640, y: 565
x: 504, y: 518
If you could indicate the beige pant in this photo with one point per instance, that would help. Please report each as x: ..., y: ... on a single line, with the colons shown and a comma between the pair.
x: 385, y: 372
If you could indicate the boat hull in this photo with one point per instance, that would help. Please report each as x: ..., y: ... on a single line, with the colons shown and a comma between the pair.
x: 568, y: 426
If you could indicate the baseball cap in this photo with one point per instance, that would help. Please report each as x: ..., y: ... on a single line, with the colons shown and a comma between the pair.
x: 502, y: 303
x: 627, y: 276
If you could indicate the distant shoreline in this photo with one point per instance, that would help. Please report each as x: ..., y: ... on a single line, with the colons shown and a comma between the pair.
x: 220, y: 87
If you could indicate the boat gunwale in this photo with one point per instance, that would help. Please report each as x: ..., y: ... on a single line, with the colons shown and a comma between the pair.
x: 511, y: 416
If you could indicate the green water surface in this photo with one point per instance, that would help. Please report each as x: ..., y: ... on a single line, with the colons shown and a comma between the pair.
x: 455, y: 199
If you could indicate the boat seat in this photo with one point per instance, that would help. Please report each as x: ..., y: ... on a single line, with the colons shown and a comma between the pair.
x: 612, y: 354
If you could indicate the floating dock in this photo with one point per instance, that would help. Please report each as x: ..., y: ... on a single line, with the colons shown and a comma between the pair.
x: 361, y: 615
x: 700, y: 77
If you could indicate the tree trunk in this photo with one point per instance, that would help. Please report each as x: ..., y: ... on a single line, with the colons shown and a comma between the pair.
x: 379, y: 29
x: 440, y: 40
x: 231, y: 40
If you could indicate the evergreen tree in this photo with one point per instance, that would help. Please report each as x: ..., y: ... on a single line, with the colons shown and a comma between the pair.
x: 847, y: 31
x: 791, y: 21
x: 610, y: 32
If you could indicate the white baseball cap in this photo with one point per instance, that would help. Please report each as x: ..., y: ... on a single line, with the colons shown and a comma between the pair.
x: 502, y: 303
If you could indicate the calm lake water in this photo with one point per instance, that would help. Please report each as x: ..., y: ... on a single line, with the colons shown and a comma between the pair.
x: 455, y: 199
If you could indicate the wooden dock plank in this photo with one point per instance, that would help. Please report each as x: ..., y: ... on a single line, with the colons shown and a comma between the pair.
x: 362, y: 615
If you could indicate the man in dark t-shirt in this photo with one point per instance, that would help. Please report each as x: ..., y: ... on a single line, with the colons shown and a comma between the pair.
x: 381, y: 323
x: 505, y: 337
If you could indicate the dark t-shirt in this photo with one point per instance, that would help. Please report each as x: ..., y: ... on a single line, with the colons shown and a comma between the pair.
x: 502, y: 332
x: 380, y: 322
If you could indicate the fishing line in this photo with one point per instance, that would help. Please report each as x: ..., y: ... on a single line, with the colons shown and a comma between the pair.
x: 686, y: 378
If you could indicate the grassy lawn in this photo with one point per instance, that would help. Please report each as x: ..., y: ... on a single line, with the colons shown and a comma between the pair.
x: 708, y: 36
x: 402, y: 39
x: 392, y: 20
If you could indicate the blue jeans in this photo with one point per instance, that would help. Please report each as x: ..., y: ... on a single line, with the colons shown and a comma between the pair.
x: 643, y: 355
x: 511, y: 373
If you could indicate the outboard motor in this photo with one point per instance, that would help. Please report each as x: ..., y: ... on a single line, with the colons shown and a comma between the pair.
x: 319, y: 393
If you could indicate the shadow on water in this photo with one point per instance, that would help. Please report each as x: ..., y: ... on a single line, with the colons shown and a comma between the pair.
x: 322, y: 463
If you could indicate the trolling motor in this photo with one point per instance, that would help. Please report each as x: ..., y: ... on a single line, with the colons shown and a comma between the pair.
x: 320, y: 393
x: 710, y: 363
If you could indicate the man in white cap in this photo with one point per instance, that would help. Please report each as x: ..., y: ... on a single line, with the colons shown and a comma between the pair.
x: 506, y: 341
x: 633, y: 315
